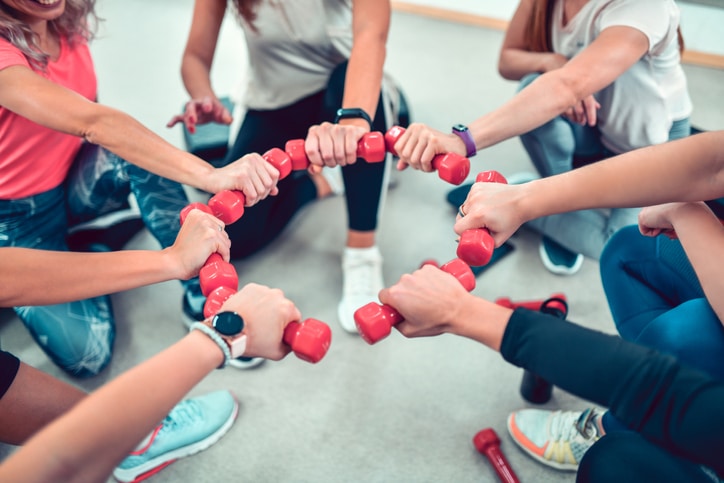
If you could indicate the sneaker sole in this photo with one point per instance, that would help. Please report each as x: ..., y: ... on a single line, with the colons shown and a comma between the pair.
x: 559, y: 269
x: 152, y: 467
x: 517, y: 436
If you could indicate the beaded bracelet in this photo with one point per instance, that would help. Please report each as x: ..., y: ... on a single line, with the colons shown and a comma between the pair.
x: 216, y: 338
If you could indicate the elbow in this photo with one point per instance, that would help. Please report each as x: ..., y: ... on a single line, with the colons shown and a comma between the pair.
x: 568, y: 91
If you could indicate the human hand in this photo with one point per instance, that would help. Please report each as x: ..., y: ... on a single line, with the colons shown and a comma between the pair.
x: 332, y: 145
x: 202, y: 111
x: 494, y: 206
x: 429, y: 300
x: 584, y: 112
x: 419, y: 144
x: 201, y: 235
x: 660, y: 219
x: 250, y: 174
x: 266, y: 312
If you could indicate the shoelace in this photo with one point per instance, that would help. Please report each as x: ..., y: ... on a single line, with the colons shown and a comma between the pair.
x: 566, y: 424
x: 185, y: 413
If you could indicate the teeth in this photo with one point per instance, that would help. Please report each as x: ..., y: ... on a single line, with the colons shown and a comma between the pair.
x: 47, y: 2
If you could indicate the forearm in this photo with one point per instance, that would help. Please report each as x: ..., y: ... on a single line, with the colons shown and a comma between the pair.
x: 514, y: 64
x: 76, y: 447
x: 39, y: 277
x: 690, y: 169
x: 129, y: 139
x: 196, y: 76
x: 702, y: 236
x: 544, y: 99
x: 364, y: 78
x: 650, y: 392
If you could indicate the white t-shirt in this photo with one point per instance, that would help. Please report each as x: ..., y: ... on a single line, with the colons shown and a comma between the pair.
x: 298, y: 44
x: 639, y: 107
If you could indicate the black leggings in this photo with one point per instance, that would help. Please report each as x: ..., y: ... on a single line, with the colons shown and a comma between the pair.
x: 263, y: 130
x: 627, y: 457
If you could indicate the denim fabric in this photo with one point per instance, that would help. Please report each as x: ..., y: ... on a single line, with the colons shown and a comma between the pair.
x: 561, y: 145
x: 78, y: 336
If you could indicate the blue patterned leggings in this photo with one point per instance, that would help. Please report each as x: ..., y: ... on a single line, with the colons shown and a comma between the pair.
x: 78, y: 336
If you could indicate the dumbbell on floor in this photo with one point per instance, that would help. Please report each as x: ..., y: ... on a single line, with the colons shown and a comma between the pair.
x: 375, y: 321
x: 487, y: 443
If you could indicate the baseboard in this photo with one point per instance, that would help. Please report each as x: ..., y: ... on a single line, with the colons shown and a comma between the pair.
x: 691, y: 57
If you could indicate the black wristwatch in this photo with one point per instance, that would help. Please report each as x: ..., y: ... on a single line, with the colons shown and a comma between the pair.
x: 352, y: 113
x: 462, y: 131
x: 230, y: 326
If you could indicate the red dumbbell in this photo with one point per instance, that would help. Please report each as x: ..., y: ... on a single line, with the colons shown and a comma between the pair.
x: 228, y: 205
x: 217, y: 273
x: 487, y: 443
x: 450, y: 167
x: 476, y: 245
x: 371, y: 148
x: 194, y: 206
x: 557, y: 301
x: 309, y: 340
x: 374, y: 321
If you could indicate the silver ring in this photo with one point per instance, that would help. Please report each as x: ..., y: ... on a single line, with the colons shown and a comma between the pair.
x: 460, y: 211
x: 221, y: 228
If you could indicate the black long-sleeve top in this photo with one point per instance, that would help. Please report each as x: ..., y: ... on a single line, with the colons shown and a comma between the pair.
x: 672, y: 405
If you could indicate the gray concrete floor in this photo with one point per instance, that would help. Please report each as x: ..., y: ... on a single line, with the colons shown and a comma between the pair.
x: 402, y: 410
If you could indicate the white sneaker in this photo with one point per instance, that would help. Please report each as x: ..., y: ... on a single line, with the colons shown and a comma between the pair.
x: 362, y: 274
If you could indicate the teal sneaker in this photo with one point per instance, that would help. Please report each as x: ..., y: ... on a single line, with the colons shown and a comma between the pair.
x: 192, y: 426
x: 558, y: 439
x: 558, y: 259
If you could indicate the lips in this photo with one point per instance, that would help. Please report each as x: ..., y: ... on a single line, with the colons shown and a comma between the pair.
x: 47, y: 3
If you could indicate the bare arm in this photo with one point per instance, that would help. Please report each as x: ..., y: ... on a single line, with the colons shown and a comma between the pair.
x: 40, y: 277
x: 690, y: 169
x: 701, y: 235
x: 76, y: 447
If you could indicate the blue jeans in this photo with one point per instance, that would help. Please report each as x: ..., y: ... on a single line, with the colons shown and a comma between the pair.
x: 78, y: 336
x: 656, y: 300
x: 559, y: 146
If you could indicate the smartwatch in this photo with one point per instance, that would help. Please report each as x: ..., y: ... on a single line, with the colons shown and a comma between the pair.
x: 463, y: 133
x: 230, y: 326
x: 352, y: 113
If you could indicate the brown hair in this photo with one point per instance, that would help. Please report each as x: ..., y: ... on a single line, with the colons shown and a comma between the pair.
x: 538, y: 29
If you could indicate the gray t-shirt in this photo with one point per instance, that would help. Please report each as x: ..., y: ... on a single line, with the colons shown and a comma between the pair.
x: 298, y: 44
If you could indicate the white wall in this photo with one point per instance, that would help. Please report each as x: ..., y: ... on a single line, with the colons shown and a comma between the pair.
x: 700, y: 24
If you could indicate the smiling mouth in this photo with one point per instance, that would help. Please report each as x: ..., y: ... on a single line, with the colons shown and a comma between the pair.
x: 47, y: 3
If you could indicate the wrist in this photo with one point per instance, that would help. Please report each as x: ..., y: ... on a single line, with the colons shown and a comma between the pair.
x: 463, y: 133
x: 355, y: 115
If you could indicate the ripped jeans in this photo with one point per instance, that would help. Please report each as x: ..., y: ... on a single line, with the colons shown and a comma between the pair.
x: 78, y: 336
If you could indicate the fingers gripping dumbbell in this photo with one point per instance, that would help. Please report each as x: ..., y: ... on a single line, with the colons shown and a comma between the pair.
x: 374, y: 321
x: 228, y: 205
x: 487, y: 443
x: 309, y: 340
x: 450, y: 167
x: 371, y: 148
x: 476, y: 245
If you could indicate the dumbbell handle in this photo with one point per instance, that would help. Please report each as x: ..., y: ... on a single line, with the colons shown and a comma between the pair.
x: 374, y: 321
x: 450, y: 167
x: 555, y: 301
x: 370, y: 147
x: 487, y: 443
x: 476, y: 245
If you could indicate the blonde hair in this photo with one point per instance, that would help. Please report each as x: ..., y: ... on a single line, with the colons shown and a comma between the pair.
x: 77, y: 23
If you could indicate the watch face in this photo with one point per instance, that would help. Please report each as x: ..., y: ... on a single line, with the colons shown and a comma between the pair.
x: 460, y: 127
x: 228, y: 323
